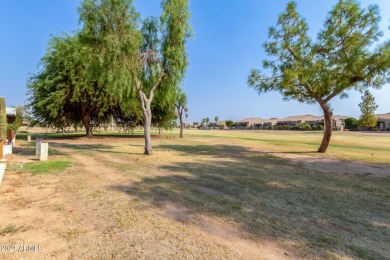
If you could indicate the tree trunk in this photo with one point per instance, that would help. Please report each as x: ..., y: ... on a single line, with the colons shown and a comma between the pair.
x: 147, y: 112
x: 181, y: 123
x: 87, y: 125
x: 181, y: 129
x: 148, y: 138
x: 180, y: 113
x: 328, y: 126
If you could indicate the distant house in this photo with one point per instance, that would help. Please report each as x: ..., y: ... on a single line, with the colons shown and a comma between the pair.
x: 265, y: 123
x: 11, y: 114
x: 219, y: 124
x: 383, y: 123
x: 296, y: 120
x: 313, y: 121
x: 339, y: 122
x: 288, y: 122
x: 247, y: 123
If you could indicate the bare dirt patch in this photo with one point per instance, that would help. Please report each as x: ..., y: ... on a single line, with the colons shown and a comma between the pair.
x: 197, y: 198
x: 76, y: 214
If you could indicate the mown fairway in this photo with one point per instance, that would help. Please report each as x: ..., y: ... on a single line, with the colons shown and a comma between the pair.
x: 368, y: 147
x: 214, y: 194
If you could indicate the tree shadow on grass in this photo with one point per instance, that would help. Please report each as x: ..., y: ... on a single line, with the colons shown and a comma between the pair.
x: 77, y: 136
x: 100, y: 148
x: 269, y: 198
x: 30, y: 150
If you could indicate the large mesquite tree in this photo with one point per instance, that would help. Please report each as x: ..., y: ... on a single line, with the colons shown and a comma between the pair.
x: 61, y: 95
x: 137, y: 60
x: 341, y: 58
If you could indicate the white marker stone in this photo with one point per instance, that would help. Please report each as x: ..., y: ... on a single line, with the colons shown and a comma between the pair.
x: 44, y: 152
x: 3, y: 165
x: 38, y: 142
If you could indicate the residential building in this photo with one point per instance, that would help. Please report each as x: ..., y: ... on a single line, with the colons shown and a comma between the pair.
x: 383, y: 123
x: 11, y: 114
x: 247, y: 123
x: 288, y: 122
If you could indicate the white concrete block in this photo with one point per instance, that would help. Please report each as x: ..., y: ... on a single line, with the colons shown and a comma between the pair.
x: 29, y: 138
x: 44, y: 152
x: 3, y: 165
x: 38, y: 142
x: 7, y: 149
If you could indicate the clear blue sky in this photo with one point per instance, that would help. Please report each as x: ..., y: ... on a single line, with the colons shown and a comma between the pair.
x: 227, y: 44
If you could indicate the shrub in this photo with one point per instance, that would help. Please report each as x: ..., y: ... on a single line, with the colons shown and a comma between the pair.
x: 229, y: 123
x: 351, y: 123
x: 304, y: 126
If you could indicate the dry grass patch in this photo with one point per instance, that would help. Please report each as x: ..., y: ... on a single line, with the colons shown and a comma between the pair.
x: 212, y: 196
x: 316, y: 215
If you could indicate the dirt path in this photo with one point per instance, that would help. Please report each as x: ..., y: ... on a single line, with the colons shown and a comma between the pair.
x: 229, y: 237
x: 77, y: 214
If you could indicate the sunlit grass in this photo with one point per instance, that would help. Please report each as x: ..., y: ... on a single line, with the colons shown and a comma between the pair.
x: 344, y: 145
x: 47, y: 167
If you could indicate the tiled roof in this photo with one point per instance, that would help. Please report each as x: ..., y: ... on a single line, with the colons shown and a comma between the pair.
x: 252, y: 120
x: 383, y: 116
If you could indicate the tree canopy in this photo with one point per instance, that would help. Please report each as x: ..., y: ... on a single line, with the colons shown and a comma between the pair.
x: 61, y: 94
x: 342, y: 57
x: 229, y: 123
x: 351, y: 123
x: 97, y: 74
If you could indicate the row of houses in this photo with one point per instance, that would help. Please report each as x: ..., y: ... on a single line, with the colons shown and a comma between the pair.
x: 292, y: 121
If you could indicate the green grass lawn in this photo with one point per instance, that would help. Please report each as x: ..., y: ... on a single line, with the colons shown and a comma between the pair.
x: 368, y: 147
x: 47, y: 167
